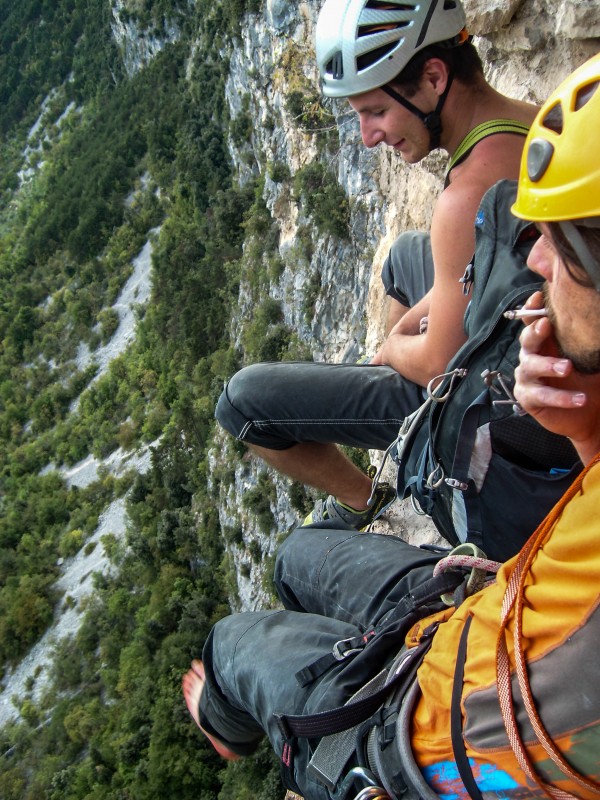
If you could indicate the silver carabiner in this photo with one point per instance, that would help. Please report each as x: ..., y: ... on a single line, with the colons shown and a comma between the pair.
x: 409, y: 423
x: 435, y: 477
x: 371, y: 790
x: 453, y: 375
x: 372, y: 793
x: 377, y: 475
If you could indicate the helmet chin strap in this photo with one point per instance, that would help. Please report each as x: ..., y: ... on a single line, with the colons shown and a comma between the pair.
x: 431, y: 120
x: 577, y: 242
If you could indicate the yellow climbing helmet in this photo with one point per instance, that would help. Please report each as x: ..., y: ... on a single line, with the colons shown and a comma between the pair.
x: 560, y: 168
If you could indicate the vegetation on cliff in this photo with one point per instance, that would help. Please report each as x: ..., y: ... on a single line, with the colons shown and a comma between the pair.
x: 91, y: 161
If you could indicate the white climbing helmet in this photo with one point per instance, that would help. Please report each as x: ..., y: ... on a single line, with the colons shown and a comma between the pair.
x: 364, y: 44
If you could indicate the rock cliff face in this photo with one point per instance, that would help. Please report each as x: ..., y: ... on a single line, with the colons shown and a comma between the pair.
x: 138, y: 44
x: 528, y: 46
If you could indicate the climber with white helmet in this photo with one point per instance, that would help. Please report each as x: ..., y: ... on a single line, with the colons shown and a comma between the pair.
x: 415, y: 80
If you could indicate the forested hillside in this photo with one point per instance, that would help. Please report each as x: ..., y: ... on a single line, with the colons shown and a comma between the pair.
x: 93, y: 158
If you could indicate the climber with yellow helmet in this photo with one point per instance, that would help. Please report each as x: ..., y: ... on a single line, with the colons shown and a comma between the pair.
x: 376, y: 689
x: 559, y: 190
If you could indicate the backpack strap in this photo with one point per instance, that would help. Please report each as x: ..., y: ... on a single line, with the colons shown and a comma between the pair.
x: 458, y: 744
x: 339, y: 728
x: 333, y: 752
x: 380, y: 642
x: 347, y: 716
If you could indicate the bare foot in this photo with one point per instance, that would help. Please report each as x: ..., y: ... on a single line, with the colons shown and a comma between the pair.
x: 193, y: 683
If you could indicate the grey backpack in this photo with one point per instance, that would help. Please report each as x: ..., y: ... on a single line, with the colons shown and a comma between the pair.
x: 484, y: 472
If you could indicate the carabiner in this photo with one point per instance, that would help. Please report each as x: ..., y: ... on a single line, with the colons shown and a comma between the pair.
x: 370, y: 791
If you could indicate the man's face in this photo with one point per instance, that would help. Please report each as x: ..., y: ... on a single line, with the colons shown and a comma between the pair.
x: 384, y: 120
x: 573, y: 309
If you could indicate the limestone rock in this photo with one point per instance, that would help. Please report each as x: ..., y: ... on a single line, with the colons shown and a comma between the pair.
x: 485, y: 17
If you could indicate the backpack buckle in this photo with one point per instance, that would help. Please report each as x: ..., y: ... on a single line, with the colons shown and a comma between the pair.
x: 453, y: 483
x: 349, y: 647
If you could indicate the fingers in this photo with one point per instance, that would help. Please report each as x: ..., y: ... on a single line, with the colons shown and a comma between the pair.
x: 534, y: 397
x: 539, y: 376
x: 534, y: 301
x: 538, y: 337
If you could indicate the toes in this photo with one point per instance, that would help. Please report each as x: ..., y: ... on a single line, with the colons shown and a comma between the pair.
x: 198, y: 669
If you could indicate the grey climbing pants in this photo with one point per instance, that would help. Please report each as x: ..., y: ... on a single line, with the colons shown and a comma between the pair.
x: 334, y: 585
x: 278, y: 404
x: 407, y: 272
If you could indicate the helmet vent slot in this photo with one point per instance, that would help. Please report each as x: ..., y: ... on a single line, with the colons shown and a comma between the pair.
x: 386, y: 5
x: 366, y: 60
x: 554, y: 119
x: 368, y: 30
x: 585, y: 94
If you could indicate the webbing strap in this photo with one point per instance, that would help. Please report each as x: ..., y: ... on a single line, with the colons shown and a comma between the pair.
x: 353, y: 713
x: 343, y: 649
x: 338, y: 719
x: 432, y: 119
x: 391, y: 629
x: 333, y: 752
x: 458, y: 745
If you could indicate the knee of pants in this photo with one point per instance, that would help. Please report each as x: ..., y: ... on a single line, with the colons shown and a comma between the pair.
x: 407, y: 272
x: 250, y: 401
x: 230, y: 411
x: 280, y: 561
x: 301, y: 555
x: 387, y: 278
x: 292, y: 558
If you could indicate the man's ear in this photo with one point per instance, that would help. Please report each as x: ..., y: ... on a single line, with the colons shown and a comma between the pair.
x: 435, y: 75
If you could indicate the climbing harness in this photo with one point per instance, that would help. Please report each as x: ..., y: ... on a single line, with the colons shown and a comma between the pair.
x: 411, y: 423
x: 437, y: 475
x: 376, y: 703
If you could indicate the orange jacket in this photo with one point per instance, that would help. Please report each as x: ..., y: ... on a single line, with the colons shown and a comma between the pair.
x: 561, y: 643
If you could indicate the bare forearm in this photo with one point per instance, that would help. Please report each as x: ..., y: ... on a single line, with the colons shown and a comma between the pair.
x: 409, y: 324
x: 411, y: 356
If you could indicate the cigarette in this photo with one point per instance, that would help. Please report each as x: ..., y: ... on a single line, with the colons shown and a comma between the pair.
x: 519, y: 313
